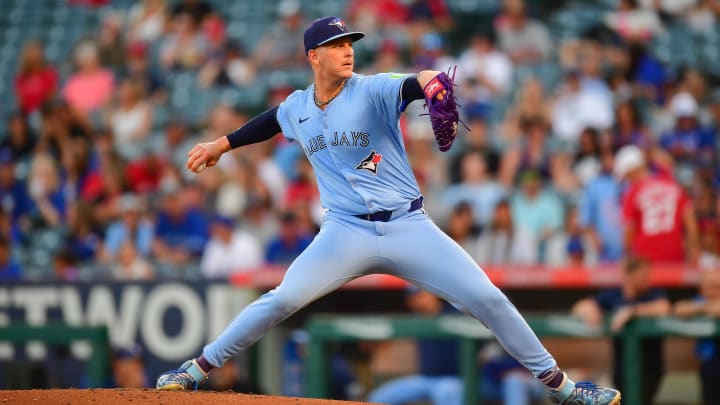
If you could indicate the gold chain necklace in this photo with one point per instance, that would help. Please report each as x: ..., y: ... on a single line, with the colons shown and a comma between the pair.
x: 323, y: 104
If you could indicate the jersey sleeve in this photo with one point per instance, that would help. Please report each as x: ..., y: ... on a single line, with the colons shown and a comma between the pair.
x: 384, y: 92
x: 282, y: 116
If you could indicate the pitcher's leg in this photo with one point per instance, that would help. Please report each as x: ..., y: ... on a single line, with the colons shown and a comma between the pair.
x: 439, y: 265
x: 332, y: 259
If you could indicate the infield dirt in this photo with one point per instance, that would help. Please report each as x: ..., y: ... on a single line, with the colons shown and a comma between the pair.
x: 139, y: 396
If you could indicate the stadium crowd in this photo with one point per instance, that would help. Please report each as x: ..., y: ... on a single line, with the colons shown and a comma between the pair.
x: 93, y: 181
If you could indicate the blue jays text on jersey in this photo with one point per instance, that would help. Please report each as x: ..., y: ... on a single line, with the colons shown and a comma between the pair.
x: 355, y: 138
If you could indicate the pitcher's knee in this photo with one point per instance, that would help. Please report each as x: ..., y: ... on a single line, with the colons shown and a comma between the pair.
x: 284, y: 303
x: 487, y: 302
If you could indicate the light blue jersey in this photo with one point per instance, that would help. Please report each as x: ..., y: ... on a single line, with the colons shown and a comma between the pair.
x: 354, y: 145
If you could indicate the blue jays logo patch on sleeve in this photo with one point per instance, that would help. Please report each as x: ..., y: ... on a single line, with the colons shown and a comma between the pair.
x: 371, y: 162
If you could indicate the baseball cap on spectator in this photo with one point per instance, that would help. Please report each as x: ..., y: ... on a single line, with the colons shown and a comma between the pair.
x: 628, y: 158
x: 683, y: 105
x: 223, y: 220
x: 326, y: 29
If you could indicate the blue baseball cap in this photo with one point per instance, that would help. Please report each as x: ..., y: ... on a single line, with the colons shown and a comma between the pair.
x: 326, y: 29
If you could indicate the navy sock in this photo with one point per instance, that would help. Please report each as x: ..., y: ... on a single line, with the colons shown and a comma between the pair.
x: 552, y: 377
x: 204, y: 365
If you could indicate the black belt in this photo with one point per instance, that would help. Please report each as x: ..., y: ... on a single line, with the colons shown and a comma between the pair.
x: 385, y: 216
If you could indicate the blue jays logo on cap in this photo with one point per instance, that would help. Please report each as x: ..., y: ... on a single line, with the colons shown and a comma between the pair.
x: 326, y: 29
x: 338, y: 23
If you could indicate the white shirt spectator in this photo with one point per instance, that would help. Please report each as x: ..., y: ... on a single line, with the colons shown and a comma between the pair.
x: 492, y: 66
x: 243, y: 252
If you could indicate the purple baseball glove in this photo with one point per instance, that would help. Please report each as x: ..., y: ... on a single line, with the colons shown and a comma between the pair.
x: 443, y: 113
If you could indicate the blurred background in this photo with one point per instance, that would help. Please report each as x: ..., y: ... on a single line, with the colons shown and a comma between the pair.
x: 102, y: 224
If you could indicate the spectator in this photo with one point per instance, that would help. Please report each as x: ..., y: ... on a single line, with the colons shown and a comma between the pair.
x: 574, y: 246
x: 629, y: 128
x: 36, y: 82
x: 432, y: 54
x: 476, y: 187
x: 110, y: 41
x: 138, y: 69
x: 635, y: 298
x: 185, y: 47
x: 131, y: 227
x: 20, y: 139
x: 16, y: 202
x: 229, y: 250
x: 65, y: 267
x: 707, y: 350
x: 48, y: 205
x: 599, y: 212
x: 633, y: 23
x: 129, y: 265
x: 537, y: 215
x: 497, y: 244
x: 289, y: 243
x: 82, y: 241
x: 180, y: 231
x: 688, y: 143
x: 525, y: 40
x: 59, y: 125
x: 530, y: 105
x: 656, y: 211
x: 130, y: 120
x: 485, y: 72
x: 461, y: 228
x: 479, y: 138
x: 428, y: 12
x: 388, y: 58
x: 279, y: 48
x: 586, y: 165
x: 128, y: 368
x: 147, y: 20
x: 578, y: 106
x: 231, y: 67
x: 198, y: 9
x: 90, y: 87
x: 9, y: 269
x: 532, y: 151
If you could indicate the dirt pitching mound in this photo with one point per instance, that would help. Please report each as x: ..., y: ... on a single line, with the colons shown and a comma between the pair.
x: 139, y: 397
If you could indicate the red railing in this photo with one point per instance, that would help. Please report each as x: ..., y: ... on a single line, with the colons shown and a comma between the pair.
x: 667, y: 276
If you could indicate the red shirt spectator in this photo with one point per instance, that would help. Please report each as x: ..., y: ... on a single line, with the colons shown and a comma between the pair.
x: 656, y: 211
x: 36, y: 82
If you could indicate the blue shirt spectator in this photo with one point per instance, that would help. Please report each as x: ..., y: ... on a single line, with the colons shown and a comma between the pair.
x: 600, y: 213
x: 289, y: 243
x: 180, y: 230
x: 9, y: 270
x: 536, y: 210
x: 14, y: 198
x: 130, y: 226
